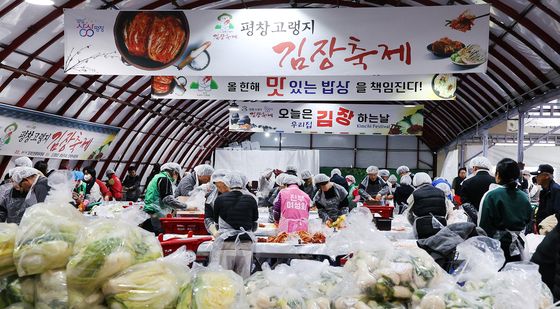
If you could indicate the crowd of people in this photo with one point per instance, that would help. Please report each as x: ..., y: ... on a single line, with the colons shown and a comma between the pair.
x: 505, y: 204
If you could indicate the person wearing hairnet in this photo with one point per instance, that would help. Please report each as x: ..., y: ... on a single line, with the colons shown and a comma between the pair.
x: 237, y: 215
x: 384, y: 174
x: 218, y: 188
x: 291, y: 170
x: 403, y: 170
x: 331, y: 199
x: 201, y: 175
x: 393, y: 185
x: 353, y: 192
x: 23, y: 161
x: 266, y: 184
x: 159, y: 199
x: 444, y: 185
x: 425, y: 203
x: 114, y: 184
x: 403, y: 192
x: 271, y: 199
x: 308, y: 186
x: 473, y: 188
x: 373, y: 187
x: 291, y: 208
x: 336, y: 177
x: 29, y: 188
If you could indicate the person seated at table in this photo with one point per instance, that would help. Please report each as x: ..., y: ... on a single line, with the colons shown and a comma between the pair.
x: 201, y: 175
x: 373, y: 187
x: 237, y: 215
x: 291, y: 208
x: 218, y: 189
x: 425, y: 203
x: 28, y: 188
x: 331, y: 199
x: 159, y: 200
x: 506, y: 210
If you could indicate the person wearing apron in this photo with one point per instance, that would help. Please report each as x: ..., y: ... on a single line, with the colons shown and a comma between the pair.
x: 506, y: 211
x: 159, y: 200
x: 291, y: 208
x: 331, y: 200
x: 237, y: 215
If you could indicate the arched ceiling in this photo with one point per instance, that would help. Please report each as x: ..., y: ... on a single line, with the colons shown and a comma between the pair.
x: 523, y: 64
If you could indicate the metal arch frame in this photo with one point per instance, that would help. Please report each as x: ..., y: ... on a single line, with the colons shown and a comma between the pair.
x: 484, y: 84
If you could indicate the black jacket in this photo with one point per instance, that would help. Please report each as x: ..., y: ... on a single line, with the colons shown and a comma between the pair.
x: 238, y: 210
x: 549, y: 201
x: 340, y: 181
x: 402, y: 193
x: 428, y: 200
x: 547, y: 256
x: 474, y: 188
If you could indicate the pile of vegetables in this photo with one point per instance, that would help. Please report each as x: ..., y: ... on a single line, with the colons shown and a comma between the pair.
x: 213, y: 288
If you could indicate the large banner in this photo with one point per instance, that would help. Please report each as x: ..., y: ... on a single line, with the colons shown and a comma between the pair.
x: 312, y: 88
x: 318, y: 118
x: 35, y: 134
x: 278, y: 42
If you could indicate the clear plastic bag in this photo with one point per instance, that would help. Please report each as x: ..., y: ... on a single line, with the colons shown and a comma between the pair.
x: 51, y: 290
x: 481, y: 258
x: 197, y: 198
x: 213, y: 288
x: 156, y: 284
x: 47, y: 232
x: 105, y: 248
x: 449, y: 296
x: 7, y: 241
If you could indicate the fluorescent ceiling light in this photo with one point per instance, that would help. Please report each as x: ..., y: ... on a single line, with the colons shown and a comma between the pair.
x: 409, y: 105
x: 525, y: 144
x: 40, y: 2
x: 266, y: 134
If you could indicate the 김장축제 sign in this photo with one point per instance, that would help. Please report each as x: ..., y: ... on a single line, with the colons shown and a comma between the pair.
x: 307, y: 88
x: 319, y: 118
x: 278, y: 42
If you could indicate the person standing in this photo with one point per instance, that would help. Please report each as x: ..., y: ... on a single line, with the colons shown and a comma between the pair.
x: 474, y: 188
x: 506, y: 211
x: 291, y: 208
x: 131, y: 184
x: 456, y: 185
x: 114, y: 184
x: 201, y: 175
x: 353, y: 194
x: 373, y: 187
x: 549, y: 198
x: 403, y: 192
x: 236, y: 214
x: 336, y: 177
x: 331, y: 199
x: 308, y: 186
x: 266, y: 184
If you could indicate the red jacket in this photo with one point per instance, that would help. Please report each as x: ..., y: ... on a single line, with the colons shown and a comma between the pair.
x: 104, y: 190
x: 116, y: 187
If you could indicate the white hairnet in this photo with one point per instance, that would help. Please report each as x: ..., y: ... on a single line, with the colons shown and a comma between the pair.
x: 280, y: 178
x: 109, y: 172
x: 336, y: 171
x: 319, y: 178
x: 372, y: 170
x: 443, y: 186
x: 306, y: 174
x: 402, y: 169
x: 23, y: 161
x: 421, y: 178
x: 481, y: 162
x: 218, y: 175
x: 204, y: 170
x: 267, y: 172
x: 291, y: 180
x: 21, y: 172
x: 384, y: 173
x: 406, y: 180
x: 350, y: 178
x: 172, y: 167
x: 291, y: 168
x: 234, y: 180
x: 392, y: 179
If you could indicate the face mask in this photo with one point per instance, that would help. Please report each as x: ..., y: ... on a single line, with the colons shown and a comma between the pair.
x: 87, y: 177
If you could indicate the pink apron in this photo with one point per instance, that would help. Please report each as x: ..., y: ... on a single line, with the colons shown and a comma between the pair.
x: 295, y: 206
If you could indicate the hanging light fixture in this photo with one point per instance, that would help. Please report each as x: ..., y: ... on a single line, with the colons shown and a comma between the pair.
x: 40, y: 2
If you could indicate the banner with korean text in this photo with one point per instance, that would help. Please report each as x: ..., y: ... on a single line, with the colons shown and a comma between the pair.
x: 321, y: 118
x: 278, y: 42
x: 307, y: 88
x: 36, y: 134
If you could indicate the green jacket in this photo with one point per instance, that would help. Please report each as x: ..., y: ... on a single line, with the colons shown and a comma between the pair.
x: 152, y: 200
x: 351, y: 203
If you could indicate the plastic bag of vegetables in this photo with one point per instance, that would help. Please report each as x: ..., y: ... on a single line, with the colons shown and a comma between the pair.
x: 51, y: 291
x: 47, y: 232
x: 7, y: 241
x: 481, y: 258
x: 156, y: 284
x: 105, y: 248
x: 284, y: 289
x: 447, y: 297
x: 213, y: 288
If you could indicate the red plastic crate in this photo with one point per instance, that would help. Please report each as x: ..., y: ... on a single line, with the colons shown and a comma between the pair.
x: 171, y: 245
x: 183, y: 225
x: 385, y: 212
